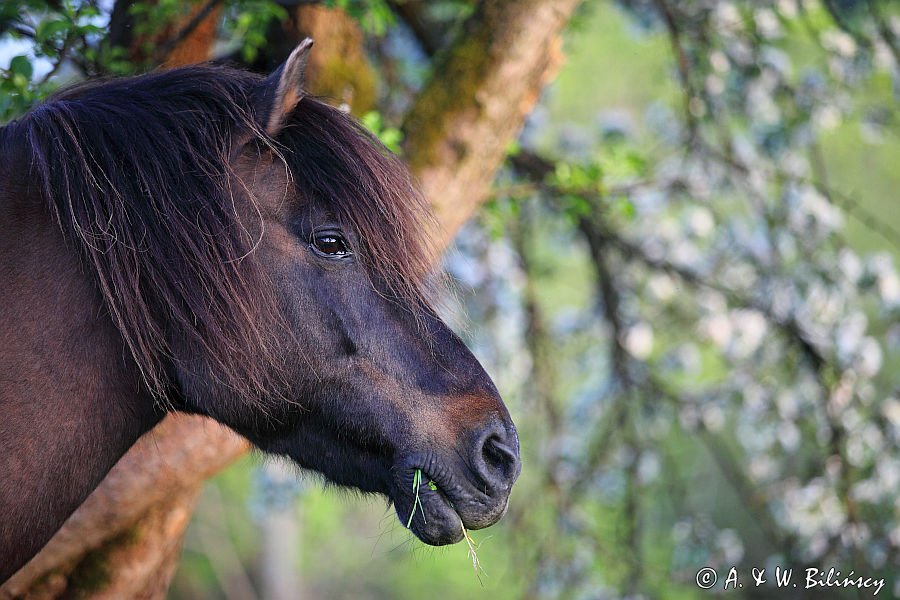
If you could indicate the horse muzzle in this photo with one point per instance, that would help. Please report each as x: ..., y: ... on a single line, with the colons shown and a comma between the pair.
x: 437, y: 493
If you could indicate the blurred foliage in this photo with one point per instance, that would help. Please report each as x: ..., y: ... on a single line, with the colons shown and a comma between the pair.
x: 374, y: 16
x: 389, y: 136
x: 65, y: 41
x: 684, y: 285
x: 246, y: 23
x: 52, y: 36
x: 711, y: 363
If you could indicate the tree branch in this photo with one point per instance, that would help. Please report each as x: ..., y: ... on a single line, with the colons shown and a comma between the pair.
x: 169, y: 463
x: 683, y: 66
x: 411, y: 13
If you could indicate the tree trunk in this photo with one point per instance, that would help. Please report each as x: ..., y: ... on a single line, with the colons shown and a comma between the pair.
x: 124, y: 540
x: 280, y: 530
x: 462, y: 123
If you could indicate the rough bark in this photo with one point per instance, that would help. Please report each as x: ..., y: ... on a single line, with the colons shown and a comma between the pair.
x: 130, y: 529
x: 462, y: 123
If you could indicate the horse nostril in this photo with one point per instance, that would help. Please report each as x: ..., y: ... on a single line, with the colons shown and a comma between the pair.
x: 496, y: 455
x: 499, y: 464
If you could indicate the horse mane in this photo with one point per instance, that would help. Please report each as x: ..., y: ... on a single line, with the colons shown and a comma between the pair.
x: 138, y: 173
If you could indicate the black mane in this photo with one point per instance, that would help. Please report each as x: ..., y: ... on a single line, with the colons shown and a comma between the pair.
x: 138, y: 173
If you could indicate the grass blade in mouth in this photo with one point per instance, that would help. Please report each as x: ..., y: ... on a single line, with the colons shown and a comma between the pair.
x: 417, y: 483
x: 472, y: 551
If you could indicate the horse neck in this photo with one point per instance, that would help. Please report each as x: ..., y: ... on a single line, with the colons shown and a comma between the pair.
x: 71, y: 402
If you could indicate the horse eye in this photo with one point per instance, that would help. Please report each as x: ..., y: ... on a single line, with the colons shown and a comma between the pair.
x: 331, y: 244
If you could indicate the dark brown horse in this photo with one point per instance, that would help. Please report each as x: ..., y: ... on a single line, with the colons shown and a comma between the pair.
x: 210, y: 241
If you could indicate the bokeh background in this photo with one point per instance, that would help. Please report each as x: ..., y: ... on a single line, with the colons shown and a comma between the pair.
x: 683, y: 281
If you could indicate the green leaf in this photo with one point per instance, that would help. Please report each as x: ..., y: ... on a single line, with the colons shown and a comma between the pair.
x: 20, y: 65
x: 49, y: 30
x: 577, y: 206
x: 624, y: 207
x: 389, y: 136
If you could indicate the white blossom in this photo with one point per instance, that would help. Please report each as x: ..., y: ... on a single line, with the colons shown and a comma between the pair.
x: 639, y: 340
x: 839, y: 41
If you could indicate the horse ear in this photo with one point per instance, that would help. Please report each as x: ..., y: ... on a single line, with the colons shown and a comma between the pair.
x: 283, y: 89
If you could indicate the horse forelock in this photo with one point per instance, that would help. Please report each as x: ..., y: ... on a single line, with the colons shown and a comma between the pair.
x: 137, y: 172
x: 336, y: 162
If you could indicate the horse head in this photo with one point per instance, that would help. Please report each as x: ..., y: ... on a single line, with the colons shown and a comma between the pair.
x: 358, y: 379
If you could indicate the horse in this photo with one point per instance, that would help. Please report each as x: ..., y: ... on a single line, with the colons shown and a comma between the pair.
x: 208, y: 240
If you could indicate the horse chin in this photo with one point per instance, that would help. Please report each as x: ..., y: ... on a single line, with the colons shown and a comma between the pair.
x: 431, y: 518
